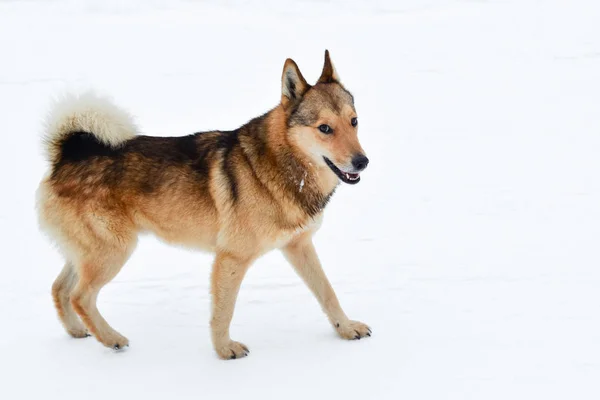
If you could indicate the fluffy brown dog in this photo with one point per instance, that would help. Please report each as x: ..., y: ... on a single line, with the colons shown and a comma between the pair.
x: 238, y: 194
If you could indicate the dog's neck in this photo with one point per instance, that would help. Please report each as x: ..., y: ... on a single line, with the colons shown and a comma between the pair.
x: 282, y: 168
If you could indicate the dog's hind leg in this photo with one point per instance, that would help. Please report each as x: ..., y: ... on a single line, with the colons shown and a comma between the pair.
x: 61, y: 293
x: 93, y: 276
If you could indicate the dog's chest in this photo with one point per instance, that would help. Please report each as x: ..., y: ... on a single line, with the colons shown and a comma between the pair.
x: 280, y: 236
x: 283, y: 237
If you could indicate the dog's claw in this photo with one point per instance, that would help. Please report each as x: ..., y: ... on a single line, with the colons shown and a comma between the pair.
x: 118, y: 347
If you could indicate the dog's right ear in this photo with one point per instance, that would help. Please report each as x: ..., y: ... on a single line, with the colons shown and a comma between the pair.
x: 293, y: 84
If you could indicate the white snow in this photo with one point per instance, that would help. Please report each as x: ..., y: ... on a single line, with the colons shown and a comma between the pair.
x: 470, y: 246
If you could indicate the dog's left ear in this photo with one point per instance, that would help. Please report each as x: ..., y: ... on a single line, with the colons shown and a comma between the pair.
x: 329, y: 74
x: 293, y: 84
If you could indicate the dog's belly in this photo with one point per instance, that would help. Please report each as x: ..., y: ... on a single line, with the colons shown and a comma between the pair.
x: 192, y: 237
x: 181, y: 226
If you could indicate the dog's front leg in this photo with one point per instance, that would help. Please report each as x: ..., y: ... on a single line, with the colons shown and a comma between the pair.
x: 227, y: 275
x: 303, y: 257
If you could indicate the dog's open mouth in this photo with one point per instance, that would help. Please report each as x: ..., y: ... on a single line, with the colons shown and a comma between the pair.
x: 346, y: 177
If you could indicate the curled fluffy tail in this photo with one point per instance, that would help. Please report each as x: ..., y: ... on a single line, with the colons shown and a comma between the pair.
x: 88, y: 113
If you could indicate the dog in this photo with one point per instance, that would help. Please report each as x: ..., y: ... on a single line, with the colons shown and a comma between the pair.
x: 237, y: 194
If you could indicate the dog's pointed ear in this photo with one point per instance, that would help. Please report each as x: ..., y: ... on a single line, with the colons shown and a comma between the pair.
x: 329, y: 74
x: 293, y: 84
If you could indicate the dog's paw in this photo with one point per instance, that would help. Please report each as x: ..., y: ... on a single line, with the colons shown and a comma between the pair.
x: 115, y: 341
x: 79, y: 333
x: 352, y: 330
x: 232, y: 350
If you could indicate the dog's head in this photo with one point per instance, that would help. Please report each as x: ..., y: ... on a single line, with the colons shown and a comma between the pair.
x: 322, y: 121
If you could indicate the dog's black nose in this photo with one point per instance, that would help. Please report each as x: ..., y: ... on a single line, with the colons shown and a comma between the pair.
x: 360, y: 162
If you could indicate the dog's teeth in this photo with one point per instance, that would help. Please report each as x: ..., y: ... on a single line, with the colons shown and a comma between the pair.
x: 347, y: 176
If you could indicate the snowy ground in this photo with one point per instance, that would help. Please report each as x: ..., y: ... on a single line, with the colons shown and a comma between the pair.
x: 470, y: 245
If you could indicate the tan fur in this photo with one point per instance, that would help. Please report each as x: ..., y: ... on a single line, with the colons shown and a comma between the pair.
x: 339, y: 147
x: 263, y: 190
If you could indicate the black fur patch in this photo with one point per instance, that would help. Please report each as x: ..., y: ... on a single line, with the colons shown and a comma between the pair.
x: 291, y: 85
x: 81, y: 149
x: 314, y: 204
x: 186, y: 147
x: 80, y: 146
x: 257, y: 130
x: 170, y: 150
x: 200, y: 164
x: 227, y: 141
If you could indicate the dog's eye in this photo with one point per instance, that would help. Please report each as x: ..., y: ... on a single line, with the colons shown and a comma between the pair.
x: 354, y: 121
x: 325, y: 128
